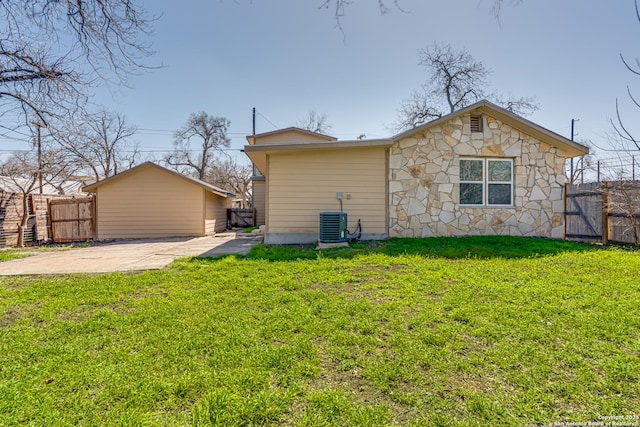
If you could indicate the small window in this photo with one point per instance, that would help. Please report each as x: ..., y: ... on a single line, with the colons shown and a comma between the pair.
x: 476, y: 123
x: 486, y: 182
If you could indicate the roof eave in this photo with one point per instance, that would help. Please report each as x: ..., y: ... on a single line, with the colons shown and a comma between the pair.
x: 251, y: 138
x: 315, y: 145
x: 571, y: 148
x: 206, y: 186
x: 258, y: 153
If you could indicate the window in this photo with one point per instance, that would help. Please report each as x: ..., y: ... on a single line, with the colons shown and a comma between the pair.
x: 476, y: 123
x: 486, y: 182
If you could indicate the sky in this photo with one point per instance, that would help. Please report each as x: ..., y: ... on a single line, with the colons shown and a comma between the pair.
x: 285, y: 57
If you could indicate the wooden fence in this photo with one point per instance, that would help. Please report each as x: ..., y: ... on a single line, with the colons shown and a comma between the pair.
x: 72, y: 219
x: 241, y: 217
x: 11, y: 212
x: 40, y: 219
x: 606, y: 212
x: 12, y: 208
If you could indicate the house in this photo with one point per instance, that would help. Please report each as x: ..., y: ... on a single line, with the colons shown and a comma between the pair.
x: 151, y: 201
x: 291, y: 134
x: 481, y: 170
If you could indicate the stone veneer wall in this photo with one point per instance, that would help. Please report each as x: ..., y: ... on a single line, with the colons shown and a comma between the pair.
x: 424, y: 183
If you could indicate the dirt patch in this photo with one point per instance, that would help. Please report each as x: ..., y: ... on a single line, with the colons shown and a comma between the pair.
x: 332, y: 377
x: 10, y: 316
x: 16, y: 313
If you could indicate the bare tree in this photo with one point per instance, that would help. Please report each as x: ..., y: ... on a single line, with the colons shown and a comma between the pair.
x: 339, y: 7
x: 24, y: 169
x: 622, y: 195
x: 100, y: 142
x: 455, y: 80
x: 52, y: 50
x: 315, y: 122
x: 455, y: 76
x: 496, y: 9
x: 625, y: 134
x: 623, y: 205
x: 417, y: 109
x: 233, y: 177
x: 521, y: 105
x: 584, y: 167
x: 210, y: 133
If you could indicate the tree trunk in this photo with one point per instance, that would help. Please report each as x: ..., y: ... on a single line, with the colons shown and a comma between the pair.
x: 22, y: 226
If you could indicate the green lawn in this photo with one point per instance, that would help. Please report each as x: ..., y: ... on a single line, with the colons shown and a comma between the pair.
x: 420, y: 332
x: 9, y: 253
x: 6, y: 256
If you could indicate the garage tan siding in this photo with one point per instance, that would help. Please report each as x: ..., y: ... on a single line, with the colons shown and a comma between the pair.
x: 149, y: 202
x: 259, y: 201
x: 303, y: 184
x: 215, y: 214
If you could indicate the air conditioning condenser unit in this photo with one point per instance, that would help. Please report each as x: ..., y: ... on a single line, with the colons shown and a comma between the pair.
x: 333, y: 227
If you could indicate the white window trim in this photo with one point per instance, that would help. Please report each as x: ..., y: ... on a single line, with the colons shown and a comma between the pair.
x: 485, y: 182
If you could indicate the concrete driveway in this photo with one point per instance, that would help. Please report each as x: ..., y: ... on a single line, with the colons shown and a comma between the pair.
x: 129, y: 255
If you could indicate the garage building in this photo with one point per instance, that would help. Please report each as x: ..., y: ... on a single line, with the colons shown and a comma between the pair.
x: 152, y: 201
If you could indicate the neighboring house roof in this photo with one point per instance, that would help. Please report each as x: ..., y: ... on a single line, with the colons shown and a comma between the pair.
x: 16, y: 185
x: 205, y: 185
x: 258, y: 153
x: 571, y: 148
x: 251, y: 138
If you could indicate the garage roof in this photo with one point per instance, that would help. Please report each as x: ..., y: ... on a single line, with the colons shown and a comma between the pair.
x: 205, y: 185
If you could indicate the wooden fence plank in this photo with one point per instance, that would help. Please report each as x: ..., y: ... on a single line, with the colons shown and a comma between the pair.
x: 583, y: 216
x: 72, y: 220
x: 604, y: 212
x: 241, y: 217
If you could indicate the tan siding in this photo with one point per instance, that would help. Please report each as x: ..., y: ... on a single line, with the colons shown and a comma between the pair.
x: 259, y: 200
x: 215, y: 214
x: 303, y: 184
x: 149, y: 203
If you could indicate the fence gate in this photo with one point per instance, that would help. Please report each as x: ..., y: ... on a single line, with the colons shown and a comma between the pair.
x: 583, y: 211
x: 72, y: 220
x: 241, y: 217
x: 608, y: 212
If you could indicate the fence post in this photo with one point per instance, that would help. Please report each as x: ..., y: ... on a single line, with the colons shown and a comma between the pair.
x: 605, y: 212
x: 34, y: 214
x: 564, y: 214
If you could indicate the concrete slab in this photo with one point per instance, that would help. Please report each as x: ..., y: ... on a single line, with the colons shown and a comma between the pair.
x: 129, y: 255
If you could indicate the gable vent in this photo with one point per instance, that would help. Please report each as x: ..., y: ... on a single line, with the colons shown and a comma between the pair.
x: 476, y: 123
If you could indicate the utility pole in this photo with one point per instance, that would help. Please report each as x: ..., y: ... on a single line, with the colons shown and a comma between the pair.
x: 254, y: 120
x: 573, y: 121
x: 39, y: 126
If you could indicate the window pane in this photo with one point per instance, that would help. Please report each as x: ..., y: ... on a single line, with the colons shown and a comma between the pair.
x: 470, y: 170
x: 499, y: 170
x: 499, y: 194
x: 470, y: 194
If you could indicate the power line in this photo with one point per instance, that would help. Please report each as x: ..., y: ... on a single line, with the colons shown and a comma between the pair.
x: 168, y: 131
x: 155, y: 150
x: 15, y: 131
x: 269, y: 121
